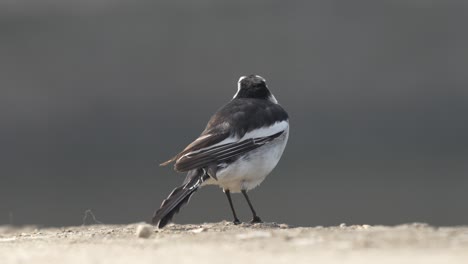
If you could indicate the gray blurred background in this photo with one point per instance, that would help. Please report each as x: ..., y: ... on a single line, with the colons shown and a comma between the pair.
x: 95, y: 94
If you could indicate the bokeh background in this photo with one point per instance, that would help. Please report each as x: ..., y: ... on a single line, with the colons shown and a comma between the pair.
x: 95, y: 94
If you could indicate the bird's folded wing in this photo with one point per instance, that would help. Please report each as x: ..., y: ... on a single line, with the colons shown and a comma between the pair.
x: 206, y: 156
x: 204, y: 141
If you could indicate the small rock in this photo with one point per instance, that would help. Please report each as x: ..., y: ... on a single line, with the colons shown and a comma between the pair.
x: 283, y: 226
x: 144, y: 231
x: 198, y: 230
x: 419, y: 225
x: 342, y: 225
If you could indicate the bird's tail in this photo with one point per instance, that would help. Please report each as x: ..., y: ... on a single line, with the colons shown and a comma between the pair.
x: 178, y: 197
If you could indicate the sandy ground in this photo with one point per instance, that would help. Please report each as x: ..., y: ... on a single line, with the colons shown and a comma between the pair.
x: 226, y: 243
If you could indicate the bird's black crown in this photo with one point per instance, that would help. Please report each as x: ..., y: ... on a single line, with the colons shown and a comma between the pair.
x: 252, y: 86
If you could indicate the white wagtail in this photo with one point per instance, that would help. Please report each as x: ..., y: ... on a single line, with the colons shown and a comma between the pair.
x: 240, y: 146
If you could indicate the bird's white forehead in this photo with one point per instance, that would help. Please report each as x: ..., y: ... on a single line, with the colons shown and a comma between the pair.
x: 258, y: 76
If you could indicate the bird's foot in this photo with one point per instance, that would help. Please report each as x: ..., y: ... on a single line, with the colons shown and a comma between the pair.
x: 236, y: 222
x: 256, y: 219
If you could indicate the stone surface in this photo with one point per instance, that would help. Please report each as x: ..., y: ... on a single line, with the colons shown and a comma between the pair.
x: 224, y: 242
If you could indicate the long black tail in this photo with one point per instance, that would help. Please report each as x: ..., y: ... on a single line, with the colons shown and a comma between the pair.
x: 178, y: 197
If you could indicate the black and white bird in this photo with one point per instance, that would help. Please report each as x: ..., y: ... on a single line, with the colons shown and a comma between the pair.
x: 240, y: 146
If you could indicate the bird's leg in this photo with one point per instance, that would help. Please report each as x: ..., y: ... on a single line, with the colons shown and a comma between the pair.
x: 255, y: 218
x: 228, y: 194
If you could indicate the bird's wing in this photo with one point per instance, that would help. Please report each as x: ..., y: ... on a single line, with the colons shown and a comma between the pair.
x: 206, y: 140
x: 220, y: 137
x: 206, y: 156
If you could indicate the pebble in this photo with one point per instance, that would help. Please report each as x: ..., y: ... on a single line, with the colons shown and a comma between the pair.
x: 198, y: 230
x: 144, y: 231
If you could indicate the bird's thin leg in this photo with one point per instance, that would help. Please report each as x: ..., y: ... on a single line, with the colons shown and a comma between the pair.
x: 228, y: 194
x: 255, y: 218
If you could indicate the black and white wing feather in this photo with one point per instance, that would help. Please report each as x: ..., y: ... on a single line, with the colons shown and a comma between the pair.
x: 220, y: 153
x: 237, y: 128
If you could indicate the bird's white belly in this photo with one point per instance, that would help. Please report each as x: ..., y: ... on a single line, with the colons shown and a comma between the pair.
x: 250, y: 170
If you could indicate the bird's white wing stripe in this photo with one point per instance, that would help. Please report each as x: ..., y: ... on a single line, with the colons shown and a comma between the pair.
x: 203, y: 137
x: 266, y: 131
x: 256, y: 133
x: 225, y: 141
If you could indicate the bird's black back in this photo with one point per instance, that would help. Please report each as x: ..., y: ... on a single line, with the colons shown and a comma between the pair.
x: 242, y: 115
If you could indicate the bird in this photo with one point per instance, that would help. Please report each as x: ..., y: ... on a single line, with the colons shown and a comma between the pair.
x: 241, y: 144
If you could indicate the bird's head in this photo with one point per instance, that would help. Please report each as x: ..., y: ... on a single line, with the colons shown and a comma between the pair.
x: 253, y: 86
